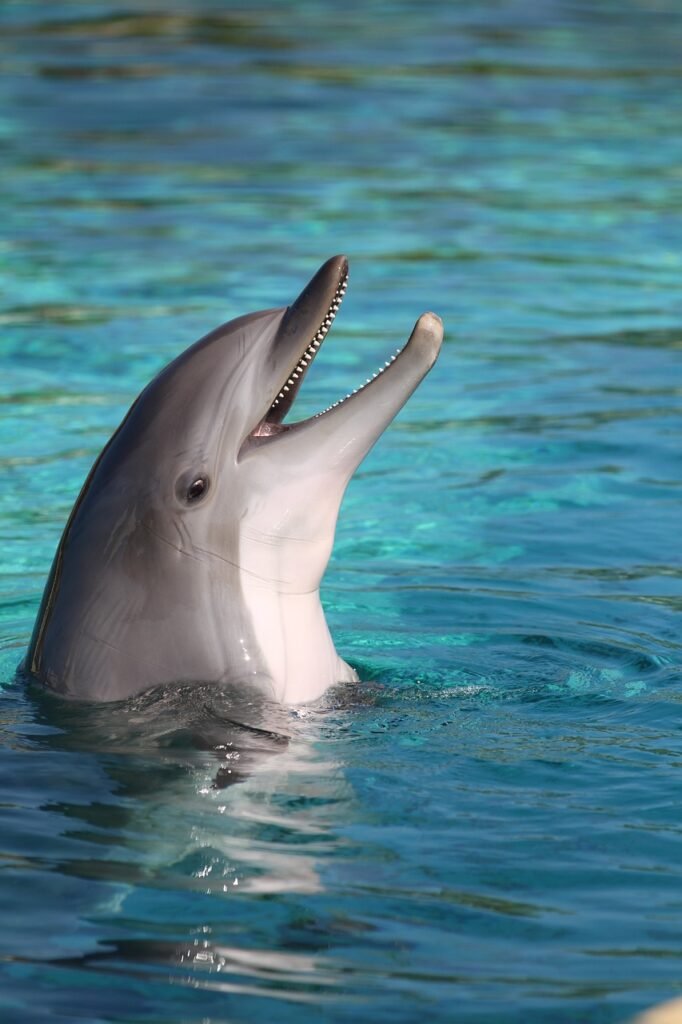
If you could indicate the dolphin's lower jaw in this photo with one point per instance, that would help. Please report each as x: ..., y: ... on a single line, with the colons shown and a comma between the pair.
x: 196, y: 548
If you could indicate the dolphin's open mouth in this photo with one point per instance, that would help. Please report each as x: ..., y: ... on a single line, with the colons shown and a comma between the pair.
x: 316, y: 308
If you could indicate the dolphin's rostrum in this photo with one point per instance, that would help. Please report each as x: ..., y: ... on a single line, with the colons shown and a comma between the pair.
x: 195, y: 550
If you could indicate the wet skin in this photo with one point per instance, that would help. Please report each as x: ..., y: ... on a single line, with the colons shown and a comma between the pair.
x: 195, y: 550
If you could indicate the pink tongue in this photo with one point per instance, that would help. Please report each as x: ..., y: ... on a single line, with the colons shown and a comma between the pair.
x: 265, y: 429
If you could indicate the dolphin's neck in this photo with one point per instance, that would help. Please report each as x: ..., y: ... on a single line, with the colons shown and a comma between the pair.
x: 294, y: 642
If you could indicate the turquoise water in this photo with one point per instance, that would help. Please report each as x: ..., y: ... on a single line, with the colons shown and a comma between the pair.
x: 488, y: 830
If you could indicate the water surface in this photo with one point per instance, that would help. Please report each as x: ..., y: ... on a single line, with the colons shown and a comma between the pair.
x: 489, y: 828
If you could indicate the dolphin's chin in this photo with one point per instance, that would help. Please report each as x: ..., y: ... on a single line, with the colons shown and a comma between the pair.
x: 307, y: 323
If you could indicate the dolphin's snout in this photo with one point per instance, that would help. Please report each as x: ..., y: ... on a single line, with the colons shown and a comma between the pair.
x: 427, y: 336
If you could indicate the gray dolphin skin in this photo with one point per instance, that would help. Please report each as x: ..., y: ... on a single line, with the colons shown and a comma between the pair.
x: 195, y: 550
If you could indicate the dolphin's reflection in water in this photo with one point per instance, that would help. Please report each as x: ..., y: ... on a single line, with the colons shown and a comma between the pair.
x: 217, y: 803
x: 174, y: 726
x: 290, y: 976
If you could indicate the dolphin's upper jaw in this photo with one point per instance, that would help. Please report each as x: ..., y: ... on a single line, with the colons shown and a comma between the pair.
x: 271, y: 424
x: 285, y: 399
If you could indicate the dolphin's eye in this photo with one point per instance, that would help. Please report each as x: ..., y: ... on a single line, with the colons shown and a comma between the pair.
x: 191, y: 487
x: 197, y: 489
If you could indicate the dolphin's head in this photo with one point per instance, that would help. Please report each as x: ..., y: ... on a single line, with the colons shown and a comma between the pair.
x: 198, y: 542
x: 207, y: 461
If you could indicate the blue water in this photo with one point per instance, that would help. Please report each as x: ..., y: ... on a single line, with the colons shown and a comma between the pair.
x: 488, y: 829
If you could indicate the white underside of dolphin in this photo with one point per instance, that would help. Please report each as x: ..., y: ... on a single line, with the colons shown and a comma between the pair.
x: 196, y: 548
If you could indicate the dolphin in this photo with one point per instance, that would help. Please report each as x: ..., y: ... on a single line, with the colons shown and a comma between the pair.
x: 195, y: 550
